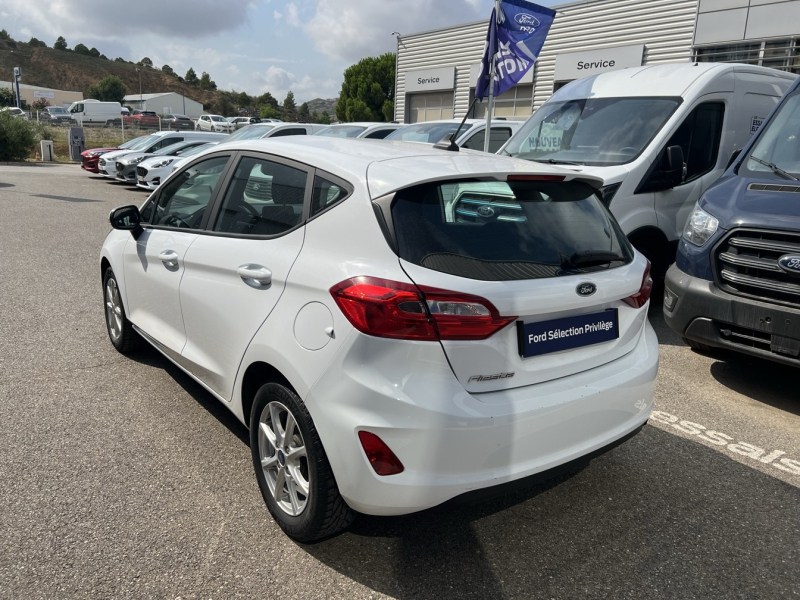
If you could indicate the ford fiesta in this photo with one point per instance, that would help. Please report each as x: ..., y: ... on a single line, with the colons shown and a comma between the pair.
x: 396, y: 324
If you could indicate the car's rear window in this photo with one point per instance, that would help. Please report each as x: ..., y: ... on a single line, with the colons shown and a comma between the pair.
x: 502, y: 231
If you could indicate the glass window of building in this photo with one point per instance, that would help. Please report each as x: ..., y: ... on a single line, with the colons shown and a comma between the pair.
x: 781, y: 54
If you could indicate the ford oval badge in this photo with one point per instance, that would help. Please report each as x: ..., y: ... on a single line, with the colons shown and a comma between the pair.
x: 486, y: 211
x: 586, y: 289
x: 790, y: 263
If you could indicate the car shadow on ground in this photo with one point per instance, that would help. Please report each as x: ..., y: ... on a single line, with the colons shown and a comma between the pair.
x: 150, y: 357
x: 659, y: 516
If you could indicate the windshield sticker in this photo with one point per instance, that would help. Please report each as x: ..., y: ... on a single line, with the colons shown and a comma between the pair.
x: 755, y: 123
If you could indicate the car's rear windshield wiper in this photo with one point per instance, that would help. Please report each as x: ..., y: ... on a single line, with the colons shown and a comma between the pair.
x: 553, y: 161
x: 587, y: 258
x: 775, y: 168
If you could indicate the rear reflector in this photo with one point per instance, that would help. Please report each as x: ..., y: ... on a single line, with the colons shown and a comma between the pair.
x: 380, y: 456
x: 521, y: 177
x: 392, y: 309
x: 640, y: 298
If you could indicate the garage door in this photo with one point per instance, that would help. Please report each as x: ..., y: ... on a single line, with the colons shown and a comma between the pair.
x: 430, y: 107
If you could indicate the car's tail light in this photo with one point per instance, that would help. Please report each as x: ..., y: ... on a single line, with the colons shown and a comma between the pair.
x: 398, y: 310
x: 379, y: 455
x: 639, y: 299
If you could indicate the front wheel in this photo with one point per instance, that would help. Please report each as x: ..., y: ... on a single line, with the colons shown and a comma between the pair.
x: 292, y: 468
x: 120, y: 330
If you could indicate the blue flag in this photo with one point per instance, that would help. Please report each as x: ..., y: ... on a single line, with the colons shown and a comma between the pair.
x: 513, y: 42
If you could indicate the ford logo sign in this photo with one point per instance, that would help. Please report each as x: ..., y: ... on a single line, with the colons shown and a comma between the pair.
x: 586, y: 289
x: 526, y: 19
x: 790, y: 263
x: 486, y: 211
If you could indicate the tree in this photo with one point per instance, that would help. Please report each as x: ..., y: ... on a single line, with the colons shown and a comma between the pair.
x: 109, y: 89
x: 81, y: 49
x: 243, y: 99
x: 289, y: 105
x: 18, y: 137
x: 37, y: 43
x: 95, y: 52
x: 167, y: 70
x: 224, y: 106
x: 367, y: 86
x: 61, y: 44
x: 40, y: 104
x: 191, y: 77
x: 119, y: 59
x: 206, y: 83
x: 4, y: 35
x: 302, y: 112
x: 145, y: 62
x: 7, y: 97
x: 267, y: 99
x: 324, y: 118
x: 268, y: 112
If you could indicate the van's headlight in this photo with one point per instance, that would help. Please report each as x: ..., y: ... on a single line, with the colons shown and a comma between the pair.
x: 700, y: 227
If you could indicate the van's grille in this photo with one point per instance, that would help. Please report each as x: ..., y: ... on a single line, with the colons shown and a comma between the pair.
x: 747, y: 265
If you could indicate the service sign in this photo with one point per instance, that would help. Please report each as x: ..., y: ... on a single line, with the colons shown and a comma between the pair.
x: 565, y: 334
x: 431, y: 80
x: 575, y: 65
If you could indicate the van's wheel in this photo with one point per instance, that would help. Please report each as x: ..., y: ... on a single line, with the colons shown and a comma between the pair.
x: 292, y: 468
x: 120, y: 330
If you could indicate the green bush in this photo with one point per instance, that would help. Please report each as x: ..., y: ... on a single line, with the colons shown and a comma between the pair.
x: 18, y: 137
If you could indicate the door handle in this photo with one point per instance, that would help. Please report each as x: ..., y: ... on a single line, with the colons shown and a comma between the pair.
x: 255, y: 272
x: 169, y: 257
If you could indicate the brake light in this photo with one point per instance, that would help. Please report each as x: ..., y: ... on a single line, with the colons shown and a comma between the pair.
x: 379, y: 455
x: 521, y: 177
x: 392, y: 309
x: 639, y: 299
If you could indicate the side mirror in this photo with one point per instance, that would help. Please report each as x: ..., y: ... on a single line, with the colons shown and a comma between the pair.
x: 126, y: 218
x: 677, y: 169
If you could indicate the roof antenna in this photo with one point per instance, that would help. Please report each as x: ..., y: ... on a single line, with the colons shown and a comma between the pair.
x: 448, y: 142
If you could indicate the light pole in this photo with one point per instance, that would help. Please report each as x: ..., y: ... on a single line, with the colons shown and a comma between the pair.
x: 140, y: 87
x: 394, y: 93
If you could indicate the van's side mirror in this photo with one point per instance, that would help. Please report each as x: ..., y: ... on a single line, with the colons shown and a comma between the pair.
x: 677, y: 169
x: 127, y: 218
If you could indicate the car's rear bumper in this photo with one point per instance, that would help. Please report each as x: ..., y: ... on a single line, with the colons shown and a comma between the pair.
x: 452, y: 442
x: 704, y: 313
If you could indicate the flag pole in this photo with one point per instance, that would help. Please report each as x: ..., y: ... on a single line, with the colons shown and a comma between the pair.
x: 489, y: 107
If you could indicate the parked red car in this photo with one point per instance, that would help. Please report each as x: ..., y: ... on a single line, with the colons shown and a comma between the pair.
x: 143, y: 119
x: 90, y: 158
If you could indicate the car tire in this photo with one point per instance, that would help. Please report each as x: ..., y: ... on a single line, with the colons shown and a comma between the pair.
x: 120, y: 330
x: 696, y: 345
x: 284, y: 466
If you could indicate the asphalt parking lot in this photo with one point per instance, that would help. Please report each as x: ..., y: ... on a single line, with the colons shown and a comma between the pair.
x: 122, y: 478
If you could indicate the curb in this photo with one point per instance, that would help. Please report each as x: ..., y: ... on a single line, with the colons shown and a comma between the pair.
x: 36, y: 164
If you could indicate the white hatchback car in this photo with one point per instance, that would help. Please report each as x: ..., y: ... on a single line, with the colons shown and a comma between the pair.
x: 213, y: 123
x: 397, y: 324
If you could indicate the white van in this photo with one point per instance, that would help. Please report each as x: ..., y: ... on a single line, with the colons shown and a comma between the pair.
x: 92, y: 112
x: 657, y: 135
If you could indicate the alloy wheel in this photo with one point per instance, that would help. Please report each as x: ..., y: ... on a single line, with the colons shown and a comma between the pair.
x: 284, y: 459
x: 113, y: 309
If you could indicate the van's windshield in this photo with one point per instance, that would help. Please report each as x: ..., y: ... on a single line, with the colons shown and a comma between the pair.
x: 777, y: 152
x: 593, y: 131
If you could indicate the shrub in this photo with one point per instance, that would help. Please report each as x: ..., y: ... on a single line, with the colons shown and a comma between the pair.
x: 18, y: 137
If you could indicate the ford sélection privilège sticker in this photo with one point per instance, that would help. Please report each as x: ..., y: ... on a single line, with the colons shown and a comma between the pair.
x: 564, y: 334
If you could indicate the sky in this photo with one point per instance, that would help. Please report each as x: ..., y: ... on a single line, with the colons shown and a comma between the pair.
x: 246, y: 45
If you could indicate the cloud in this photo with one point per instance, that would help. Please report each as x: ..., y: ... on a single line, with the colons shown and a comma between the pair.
x: 292, y: 15
x: 189, y: 19
x: 278, y: 82
x: 352, y: 29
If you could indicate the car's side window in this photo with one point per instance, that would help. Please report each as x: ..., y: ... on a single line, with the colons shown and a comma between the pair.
x: 497, y: 138
x: 263, y: 198
x: 291, y: 131
x: 185, y: 197
x: 379, y: 134
x: 325, y: 194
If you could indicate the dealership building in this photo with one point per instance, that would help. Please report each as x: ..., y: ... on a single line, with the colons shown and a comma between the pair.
x: 165, y: 103
x: 437, y: 70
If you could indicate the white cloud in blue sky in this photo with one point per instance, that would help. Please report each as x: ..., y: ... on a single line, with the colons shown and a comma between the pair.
x: 250, y: 45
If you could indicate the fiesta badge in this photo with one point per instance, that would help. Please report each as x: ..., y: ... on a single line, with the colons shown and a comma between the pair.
x: 790, y: 263
x: 586, y: 289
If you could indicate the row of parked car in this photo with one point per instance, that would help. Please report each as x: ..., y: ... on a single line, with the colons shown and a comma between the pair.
x: 400, y: 322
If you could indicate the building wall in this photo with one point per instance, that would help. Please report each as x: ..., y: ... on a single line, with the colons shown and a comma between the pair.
x: 32, y: 93
x: 665, y: 27
x: 171, y: 100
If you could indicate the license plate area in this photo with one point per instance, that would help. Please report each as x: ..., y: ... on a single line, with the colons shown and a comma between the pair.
x: 546, y: 337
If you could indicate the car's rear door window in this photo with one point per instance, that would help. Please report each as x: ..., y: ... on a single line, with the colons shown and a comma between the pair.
x: 289, y: 131
x: 500, y: 231
x: 263, y: 198
x: 497, y: 138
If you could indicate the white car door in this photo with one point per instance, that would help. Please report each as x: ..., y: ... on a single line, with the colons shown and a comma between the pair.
x: 236, y: 273
x: 154, y: 263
